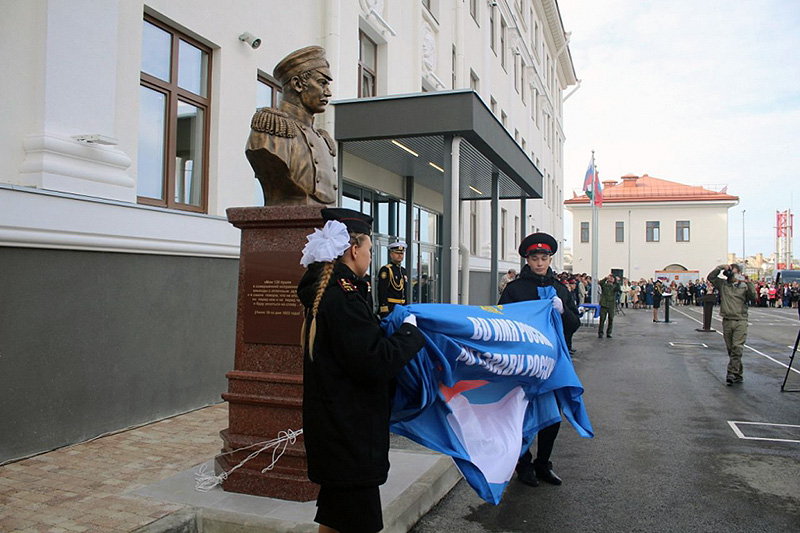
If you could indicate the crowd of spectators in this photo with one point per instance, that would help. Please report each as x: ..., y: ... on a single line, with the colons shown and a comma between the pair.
x: 642, y: 293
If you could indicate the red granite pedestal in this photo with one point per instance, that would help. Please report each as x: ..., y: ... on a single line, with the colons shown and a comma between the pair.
x: 265, y: 389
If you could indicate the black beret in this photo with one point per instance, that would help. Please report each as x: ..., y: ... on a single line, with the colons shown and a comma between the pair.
x: 538, y: 242
x: 356, y: 222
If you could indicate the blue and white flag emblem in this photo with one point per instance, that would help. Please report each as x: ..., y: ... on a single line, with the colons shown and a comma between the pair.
x: 487, y: 380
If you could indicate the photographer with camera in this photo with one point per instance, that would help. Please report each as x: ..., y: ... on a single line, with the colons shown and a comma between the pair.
x: 735, y: 291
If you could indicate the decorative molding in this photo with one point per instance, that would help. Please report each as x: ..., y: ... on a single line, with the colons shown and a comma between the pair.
x: 428, y: 48
x: 368, y: 5
x: 40, y: 219
x: 59, y: 163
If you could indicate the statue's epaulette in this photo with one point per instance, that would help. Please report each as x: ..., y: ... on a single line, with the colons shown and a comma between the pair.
x: 329, y: 141
x: 347, y: 285
x: 274, y: 122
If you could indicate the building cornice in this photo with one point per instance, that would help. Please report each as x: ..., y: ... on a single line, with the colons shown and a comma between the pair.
x: 556, y: 27
x: 573, y: 204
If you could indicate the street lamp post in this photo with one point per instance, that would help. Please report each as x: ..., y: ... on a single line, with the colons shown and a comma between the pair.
x: 744, y: 254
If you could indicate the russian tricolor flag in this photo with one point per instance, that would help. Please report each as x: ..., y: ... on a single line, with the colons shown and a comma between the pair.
x: 592, y: 186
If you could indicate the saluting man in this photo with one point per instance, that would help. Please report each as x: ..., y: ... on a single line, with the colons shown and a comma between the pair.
x: 392, y: 280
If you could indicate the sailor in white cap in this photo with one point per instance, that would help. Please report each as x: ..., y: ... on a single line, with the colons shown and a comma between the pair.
x: 392, y: 280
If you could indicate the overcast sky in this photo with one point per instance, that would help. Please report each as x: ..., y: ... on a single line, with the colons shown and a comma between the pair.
x: 694, y: 91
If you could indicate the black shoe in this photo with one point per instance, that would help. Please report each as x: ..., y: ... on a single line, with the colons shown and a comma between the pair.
x: 572, y: 350
x: 599, y: 335
x: 544, y: 471
x: 739, y: 379
x: 526, y: 474
x: 729, y: 381
x: 608, y: 335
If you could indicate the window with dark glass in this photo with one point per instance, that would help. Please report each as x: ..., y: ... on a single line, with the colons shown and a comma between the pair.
x: 653, y: 228
x: 682, y: 231
x: 367, y: 66
x: 174, y: 104
x: 473, y: 228
x: 584, y: 232
x: 473, y: 9
x: 268, y: 92
x: 502, y: 42
x: 453, y: 62
x: 492, y: 29
x: 503, y: 217
x: 619, y: 232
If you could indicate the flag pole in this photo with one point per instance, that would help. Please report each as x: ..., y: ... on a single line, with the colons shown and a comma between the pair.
x: 595, y: 248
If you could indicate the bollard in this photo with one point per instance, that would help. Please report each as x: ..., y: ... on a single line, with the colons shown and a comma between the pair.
x: 667, y: 298
x: 708, y: 310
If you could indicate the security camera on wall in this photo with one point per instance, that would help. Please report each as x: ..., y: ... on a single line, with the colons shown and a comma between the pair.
x: 250, y: 39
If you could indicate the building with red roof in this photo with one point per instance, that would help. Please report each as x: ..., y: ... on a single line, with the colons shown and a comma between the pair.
x: 649, y: 224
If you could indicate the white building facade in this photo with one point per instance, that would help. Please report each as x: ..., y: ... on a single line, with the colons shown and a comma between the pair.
x: 647, y: 225
x: 122, y: 145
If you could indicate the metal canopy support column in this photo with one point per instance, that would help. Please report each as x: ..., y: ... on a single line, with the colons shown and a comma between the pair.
x: 523, y: 222
x: 495, y: 225
x: 409, y: 232
x: 339, y: 172
x: 450, y: 193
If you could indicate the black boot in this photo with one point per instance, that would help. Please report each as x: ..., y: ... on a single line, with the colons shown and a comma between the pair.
x: 544, y: 471
x: 526, y: 473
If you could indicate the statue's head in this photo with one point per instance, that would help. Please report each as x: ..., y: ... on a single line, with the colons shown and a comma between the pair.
x: 305, y: 76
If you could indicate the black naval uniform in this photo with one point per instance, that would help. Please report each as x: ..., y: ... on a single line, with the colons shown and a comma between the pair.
x: 522, y: 289
x: 347, y: 394
x: 391, y: 288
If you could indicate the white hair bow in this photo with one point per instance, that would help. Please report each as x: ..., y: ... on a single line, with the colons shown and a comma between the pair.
x: 326, y: 244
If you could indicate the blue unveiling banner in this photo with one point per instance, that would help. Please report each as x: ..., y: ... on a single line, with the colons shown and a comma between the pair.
x: 488, y: 379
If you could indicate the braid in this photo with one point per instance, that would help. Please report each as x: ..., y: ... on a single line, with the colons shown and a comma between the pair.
x: 322, y: 284
x: 356, y: 239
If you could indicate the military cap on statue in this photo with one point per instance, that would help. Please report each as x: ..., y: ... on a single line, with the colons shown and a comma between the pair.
x: 356, y: 222
x: 538, y: 242
x: 398, y: 246
x: 299, y: 61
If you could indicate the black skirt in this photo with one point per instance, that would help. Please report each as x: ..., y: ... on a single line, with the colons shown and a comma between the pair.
x: 350, y: 510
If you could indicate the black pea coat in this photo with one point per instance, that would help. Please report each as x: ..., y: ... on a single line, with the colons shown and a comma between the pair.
x: 391, y: 288
x: 349, y: 384
x: 526, y: 287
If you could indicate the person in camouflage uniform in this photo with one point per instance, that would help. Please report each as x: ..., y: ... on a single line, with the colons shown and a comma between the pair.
x: 735, y: 291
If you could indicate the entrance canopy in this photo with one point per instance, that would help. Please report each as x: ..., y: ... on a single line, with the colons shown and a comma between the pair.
x: 419, y: 124
x: 448, y: 142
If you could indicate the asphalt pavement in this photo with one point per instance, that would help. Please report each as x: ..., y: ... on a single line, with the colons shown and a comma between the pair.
x: 675, y: 449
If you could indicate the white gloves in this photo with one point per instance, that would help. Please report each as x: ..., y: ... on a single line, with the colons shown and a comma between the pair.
x: 558, y: 305
x: 410, y: 319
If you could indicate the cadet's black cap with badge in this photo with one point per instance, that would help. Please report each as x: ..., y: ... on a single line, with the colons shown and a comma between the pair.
x: 356, y: 222
x: 538, y: 243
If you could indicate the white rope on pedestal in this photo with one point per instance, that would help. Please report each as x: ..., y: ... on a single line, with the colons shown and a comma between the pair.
x: 204, y: 482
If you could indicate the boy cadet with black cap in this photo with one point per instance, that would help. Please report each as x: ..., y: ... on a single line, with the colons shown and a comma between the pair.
x: 392, y: 280
x: 538, y: 250
x: 349, y: 367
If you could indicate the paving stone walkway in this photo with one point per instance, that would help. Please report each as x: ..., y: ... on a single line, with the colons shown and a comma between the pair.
x: 88, y: 486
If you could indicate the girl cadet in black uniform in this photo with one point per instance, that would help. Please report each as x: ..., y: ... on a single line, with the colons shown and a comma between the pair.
x: 538, y: 250
x: 348, y: 375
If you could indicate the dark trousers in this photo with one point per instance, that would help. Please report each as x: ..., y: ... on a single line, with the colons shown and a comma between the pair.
x: 606, y: 312
x: 546, y: 439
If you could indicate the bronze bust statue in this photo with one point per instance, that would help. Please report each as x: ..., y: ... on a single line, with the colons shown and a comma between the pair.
x: 294, y: 161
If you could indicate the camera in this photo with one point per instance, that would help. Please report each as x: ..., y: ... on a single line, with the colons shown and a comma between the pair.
x: 728, y: 273
x: 250, y: 39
